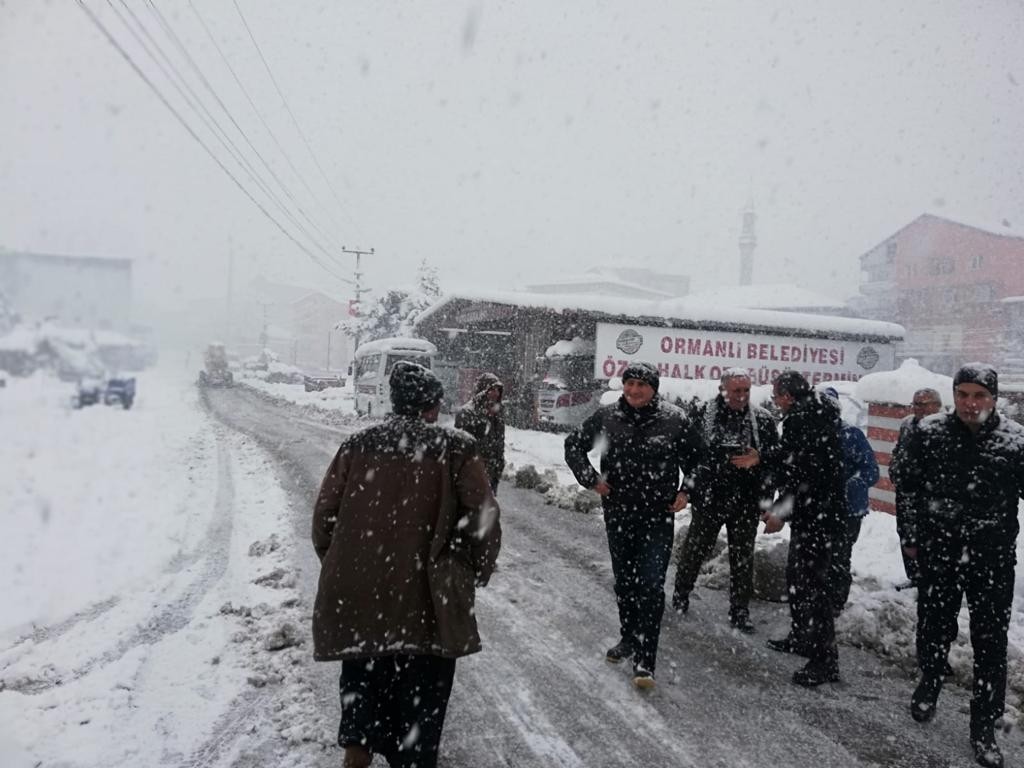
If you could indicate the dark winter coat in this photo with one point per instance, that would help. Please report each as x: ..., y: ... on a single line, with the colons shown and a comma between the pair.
x: 405, y: 525
x: 963, y: 481
x: 485, y: 421
x: 643, y: 452
x: 860, y: 469
x: 718, y: 483
x: 808, y: 468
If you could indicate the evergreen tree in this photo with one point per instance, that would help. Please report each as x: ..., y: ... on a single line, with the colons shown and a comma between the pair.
x: 395, y: 311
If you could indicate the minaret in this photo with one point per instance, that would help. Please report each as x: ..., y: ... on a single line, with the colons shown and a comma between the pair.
x: 747, y: 242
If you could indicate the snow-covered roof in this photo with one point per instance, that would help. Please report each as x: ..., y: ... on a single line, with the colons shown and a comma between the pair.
x: 31, y: 255
x: 1003, y: 227
x: 678, y: 310
x: 766, y: 296
x: 566, y: 347
x: 396, y: 343
x: 596, y: 280
x: 900, y: 385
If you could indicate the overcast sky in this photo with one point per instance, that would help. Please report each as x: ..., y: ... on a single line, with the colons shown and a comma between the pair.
x: 508, y: 142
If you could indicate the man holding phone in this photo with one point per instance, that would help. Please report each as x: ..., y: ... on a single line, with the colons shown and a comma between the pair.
x: 732, y: 488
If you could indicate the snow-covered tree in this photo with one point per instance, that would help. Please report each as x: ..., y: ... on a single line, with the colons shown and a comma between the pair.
x: 394, y: 312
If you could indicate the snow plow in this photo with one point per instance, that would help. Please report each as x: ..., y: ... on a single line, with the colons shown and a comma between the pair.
x: 215, y: 371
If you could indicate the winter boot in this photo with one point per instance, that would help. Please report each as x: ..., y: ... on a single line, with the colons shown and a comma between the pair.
x: 789, y: 644
x: 618, y: 652
x: 357, y: 757
x: 740, y: 619
x: 922, y: 703
x: 680, y: 602
x: 816, y: 672
x: 643, y: 678
x: 983, y: 740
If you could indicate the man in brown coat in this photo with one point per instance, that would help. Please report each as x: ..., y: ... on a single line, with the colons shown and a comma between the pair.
x: 405, y: 527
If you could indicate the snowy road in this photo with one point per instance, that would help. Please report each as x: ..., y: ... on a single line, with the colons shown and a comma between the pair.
x: 540, y: 694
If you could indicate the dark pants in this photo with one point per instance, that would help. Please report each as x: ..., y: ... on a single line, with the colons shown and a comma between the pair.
x: 840, y: 577
x: 395, y: 705
x: 810, y: 601
x: 740, y: 521
x: 982, y: 566
x: 903, y: 505
x: 640, y: 544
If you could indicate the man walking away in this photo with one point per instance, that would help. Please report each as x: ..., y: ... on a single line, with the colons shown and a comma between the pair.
x: 809, y: 476
x: 484, y: 419
x: 860, y: 471
x: 924, y: 403
x: 645, y: 444
x: 732, y: 488
x: 405, y: 527
x: 966, y: 474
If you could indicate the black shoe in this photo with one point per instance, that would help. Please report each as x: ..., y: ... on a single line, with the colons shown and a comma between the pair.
x: 788, y: 645
x: 680, y: 603
x: 817, y: 672
x: 643, y: 678
x: 987, y: 753
x: 741, y: 620
x: 617, y: 653
x: 922, y: 703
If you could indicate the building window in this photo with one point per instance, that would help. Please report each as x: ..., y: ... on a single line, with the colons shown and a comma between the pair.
x: 890, y: 252
x: 984, y: 292
x: 977, y: 261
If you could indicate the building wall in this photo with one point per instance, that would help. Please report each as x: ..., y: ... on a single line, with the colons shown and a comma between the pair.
x: 81, y: 292
x: 942, y: 281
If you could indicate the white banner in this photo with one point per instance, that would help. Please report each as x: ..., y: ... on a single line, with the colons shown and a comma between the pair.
x: 686, y: 353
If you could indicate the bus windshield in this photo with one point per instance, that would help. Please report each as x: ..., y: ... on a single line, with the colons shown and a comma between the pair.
x: 413, y: 357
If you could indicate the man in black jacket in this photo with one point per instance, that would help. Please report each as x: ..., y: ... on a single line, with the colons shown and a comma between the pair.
x: 733, y: 488
x: 812, y: 498
x: 646, y: 443
x: 966, y: 474
x: 924, y: 403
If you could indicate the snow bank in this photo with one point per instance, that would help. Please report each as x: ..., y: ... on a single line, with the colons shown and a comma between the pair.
x: 900, y: 385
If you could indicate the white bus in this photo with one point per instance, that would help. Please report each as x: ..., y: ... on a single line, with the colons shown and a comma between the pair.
x: 373, y: 363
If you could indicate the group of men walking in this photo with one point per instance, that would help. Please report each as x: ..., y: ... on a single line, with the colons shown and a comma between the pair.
x: 406, y: 526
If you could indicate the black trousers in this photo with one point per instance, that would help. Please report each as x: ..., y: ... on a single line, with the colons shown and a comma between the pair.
x: 982, y: 567
x: 740, y: 521
x: 903, y: 505
x: 810, y: 600
x: 840, y: 578
x: 395, y: 705
x: 640, y: 544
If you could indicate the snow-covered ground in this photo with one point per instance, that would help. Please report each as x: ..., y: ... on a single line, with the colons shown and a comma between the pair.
x: 133, y: 623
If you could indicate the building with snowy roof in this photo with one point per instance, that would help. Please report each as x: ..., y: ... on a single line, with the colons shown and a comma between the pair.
x: 509, y: 333
x: 93, y: 292
x: 957, y: 288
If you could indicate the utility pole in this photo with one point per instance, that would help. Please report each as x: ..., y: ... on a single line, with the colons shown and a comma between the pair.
x: 359, y: 290
x: 227, y: 300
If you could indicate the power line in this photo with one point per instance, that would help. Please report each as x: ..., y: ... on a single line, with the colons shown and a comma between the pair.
x: 170, y: 71
x: 170, y: 32
x: 288, y: 108
x: 170, y: 107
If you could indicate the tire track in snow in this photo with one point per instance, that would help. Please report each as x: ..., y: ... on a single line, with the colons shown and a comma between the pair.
x: 208, y: 562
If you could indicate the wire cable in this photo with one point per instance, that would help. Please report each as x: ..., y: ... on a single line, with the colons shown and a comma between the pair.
x: 191, y: 132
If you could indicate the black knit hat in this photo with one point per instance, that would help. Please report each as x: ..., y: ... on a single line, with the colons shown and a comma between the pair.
x: 414, y: 389
x: 978, y: 373
x: 643, y: 372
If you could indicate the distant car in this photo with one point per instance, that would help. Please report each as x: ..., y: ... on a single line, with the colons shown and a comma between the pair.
x: 282, y: 373
x: 318, y: 382
x: 114, y: 391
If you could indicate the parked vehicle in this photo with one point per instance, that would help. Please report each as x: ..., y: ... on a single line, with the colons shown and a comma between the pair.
x: 318, y: 382
x: 373, y: 363
x: 92, y: 391
x: 568, y: 392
